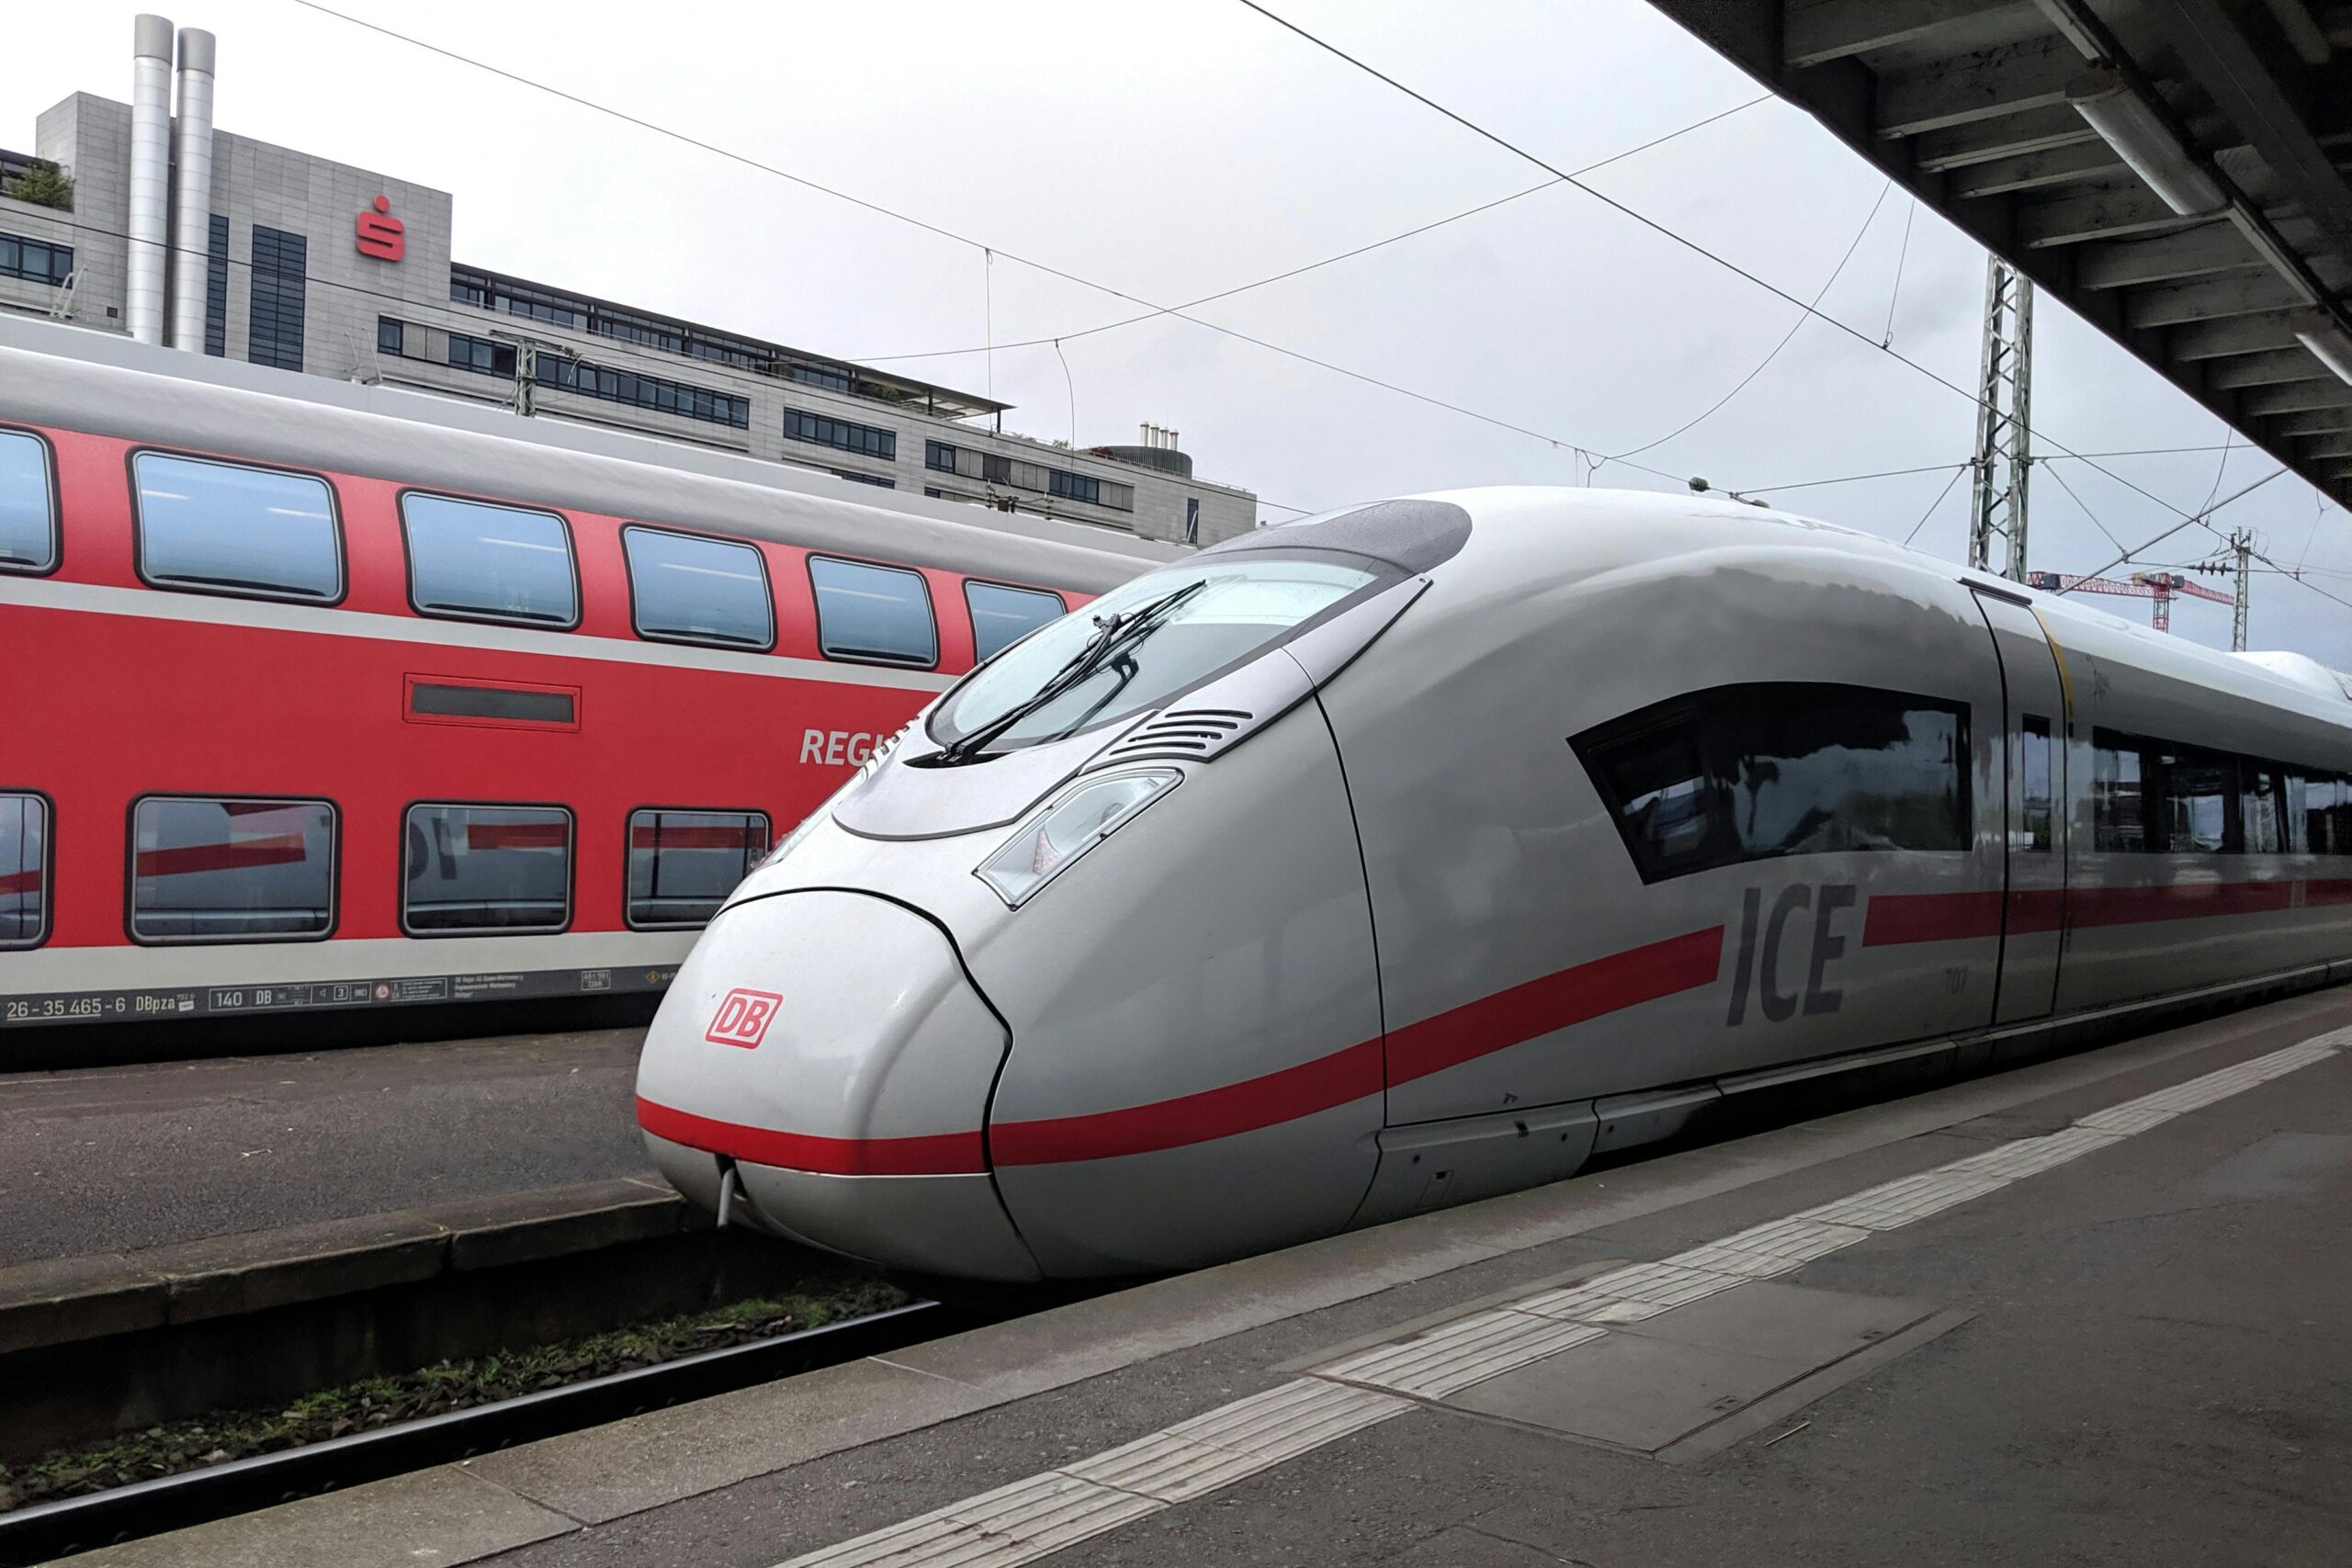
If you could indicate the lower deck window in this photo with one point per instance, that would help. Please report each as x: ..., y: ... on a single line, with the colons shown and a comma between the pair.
x: 487, y: 868
x: 220, y: 870
x: 681, y: 864
x: 1760, y: 771
x: 24, y: 870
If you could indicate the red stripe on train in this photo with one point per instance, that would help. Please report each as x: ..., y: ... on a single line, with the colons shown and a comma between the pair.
x: 1283, y: 1095
x: 941, y: 1154
x: 20, y: 882
x: 1476, y: 1028
x: 1555, y: 1001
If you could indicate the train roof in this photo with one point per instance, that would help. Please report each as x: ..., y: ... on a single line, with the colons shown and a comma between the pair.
x: 72, y: 377
x: 1641, y: 524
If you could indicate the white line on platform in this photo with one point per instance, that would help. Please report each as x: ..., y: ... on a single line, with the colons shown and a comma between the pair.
x: 1040, y: 1515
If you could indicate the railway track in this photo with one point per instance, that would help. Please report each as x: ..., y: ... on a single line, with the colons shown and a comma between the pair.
x: 46, y: 1530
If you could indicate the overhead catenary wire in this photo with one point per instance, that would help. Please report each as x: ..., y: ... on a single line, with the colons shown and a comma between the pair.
x: 747, y: 161
x: 1786, y: 338
x: 1350, y: 254
x: 1957, y: 471
x: 1886, y: 339
x: 2192, y: 521
x: 2085, y: 506
x: 2041, y: 438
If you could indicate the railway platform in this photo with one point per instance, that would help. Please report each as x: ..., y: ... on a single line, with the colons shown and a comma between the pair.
x: 116, y: 1159
x: 2085, y: 1310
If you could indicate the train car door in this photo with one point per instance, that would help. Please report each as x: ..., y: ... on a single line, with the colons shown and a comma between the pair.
x: 2033, y: 815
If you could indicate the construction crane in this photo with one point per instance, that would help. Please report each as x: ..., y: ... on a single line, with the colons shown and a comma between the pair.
x: 2159, y: 587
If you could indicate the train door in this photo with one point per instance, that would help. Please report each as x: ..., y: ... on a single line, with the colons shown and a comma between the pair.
x: 2033, y: 814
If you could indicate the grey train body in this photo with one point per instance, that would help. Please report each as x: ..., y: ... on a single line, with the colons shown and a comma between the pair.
x: 1519, y: 825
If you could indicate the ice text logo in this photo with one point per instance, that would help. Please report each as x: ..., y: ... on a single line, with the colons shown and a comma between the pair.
x: 742, y: 1018
x: 1761, y: 971
x: 379, y: 233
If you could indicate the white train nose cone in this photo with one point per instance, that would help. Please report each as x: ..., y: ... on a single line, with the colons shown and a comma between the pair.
x: 829, y: 1046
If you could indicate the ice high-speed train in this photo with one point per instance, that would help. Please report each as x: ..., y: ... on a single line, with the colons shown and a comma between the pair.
x: 1422, y: 851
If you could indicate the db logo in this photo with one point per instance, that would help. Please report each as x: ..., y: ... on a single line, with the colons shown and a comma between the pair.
x: 743, y: 1017
x: 380, y: 234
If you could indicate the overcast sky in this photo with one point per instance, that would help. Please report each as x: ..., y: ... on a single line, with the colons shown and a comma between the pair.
x: 1176, y: 149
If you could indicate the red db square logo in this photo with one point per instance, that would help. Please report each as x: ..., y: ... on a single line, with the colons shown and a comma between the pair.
x: 743, y: 1017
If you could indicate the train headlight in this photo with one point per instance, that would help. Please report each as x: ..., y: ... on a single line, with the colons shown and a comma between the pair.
x: 1052, y: 837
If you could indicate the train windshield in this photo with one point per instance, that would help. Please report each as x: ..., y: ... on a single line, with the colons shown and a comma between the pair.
x: 1135, y: 648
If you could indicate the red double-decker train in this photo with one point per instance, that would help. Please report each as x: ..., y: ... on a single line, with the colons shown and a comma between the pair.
x: 328, y: 697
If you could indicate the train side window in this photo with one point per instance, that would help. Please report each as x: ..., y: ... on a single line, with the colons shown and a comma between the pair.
x: 1757, y: 771
x: 24, y: 869
x: 477, y: 561
x: 2119, y: 804
x: 27, y: 504
x: 687, y: 588
x: 681, y: 864
x: 225, y: 529
x: 2338, y: 815
x: 2034, y: 794
x: 2194, y: 788
x: 1002, y: 617
x: 2262, y: 808
x: 504, y: 869
x: 213, y: 869
x: 876, y: 615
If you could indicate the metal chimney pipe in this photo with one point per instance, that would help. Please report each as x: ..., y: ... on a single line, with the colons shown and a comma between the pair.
x: 192, y: 189
x: 150, y: 175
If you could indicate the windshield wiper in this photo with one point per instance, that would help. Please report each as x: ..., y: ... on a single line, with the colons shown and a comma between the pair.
x: 1112, y: 636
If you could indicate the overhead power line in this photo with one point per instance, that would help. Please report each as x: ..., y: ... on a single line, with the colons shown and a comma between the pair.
x: 717, y: 150
x: 1684, y: 241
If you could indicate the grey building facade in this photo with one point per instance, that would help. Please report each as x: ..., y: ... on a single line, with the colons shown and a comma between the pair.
x: 317, y: 267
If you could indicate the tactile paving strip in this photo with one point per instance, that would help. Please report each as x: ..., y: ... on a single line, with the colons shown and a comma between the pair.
x: 1042, y: 1514
x: 1630, y: 1295
x: 1763, y: 1251
x: 1450, y: 1358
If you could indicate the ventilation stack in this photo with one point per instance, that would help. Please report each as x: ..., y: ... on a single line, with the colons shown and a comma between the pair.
x: 150, y: 176
x: 191, y: 233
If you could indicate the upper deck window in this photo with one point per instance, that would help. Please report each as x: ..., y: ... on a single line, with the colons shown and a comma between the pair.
x: 1002, y: 617
x: 225, y: 529
x: 27, y: 504
x: 877, y: 614
x: 472, y: 559
x: 691, y: 589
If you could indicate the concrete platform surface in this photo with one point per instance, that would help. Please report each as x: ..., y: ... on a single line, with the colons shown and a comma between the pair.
x: 2091, y: 1310
x: 112, y: 1160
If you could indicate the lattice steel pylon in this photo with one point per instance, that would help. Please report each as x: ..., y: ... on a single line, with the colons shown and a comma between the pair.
x: 2004, y: 419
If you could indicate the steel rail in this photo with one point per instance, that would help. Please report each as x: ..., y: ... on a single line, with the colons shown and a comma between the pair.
x: 46, y: 1530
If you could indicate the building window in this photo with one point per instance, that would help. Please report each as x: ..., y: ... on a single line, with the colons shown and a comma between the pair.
x: 216, y: 288
x: 231, y: 870
x: 505, y: 869
x: 35, y: 261
x: 24, y: 870
x: 829, y: 377
x: 1751, y: 772
x: 27, y: 504
x: 645, y: 391
x: 1002, y: 617
x: 878, y: 614
x: 824, y: 431
x: 467, y: 290
x: 691, y: 589
x: 480, y: 354
x: 939, y: 456
x: 682, y: 864
x: 471, y: 559
x: 389, y: 336
x: 222, y: 528
x: 274, y: 337
x: 1074, y: 487
x: 880, y: 481
x: 1192, y: 519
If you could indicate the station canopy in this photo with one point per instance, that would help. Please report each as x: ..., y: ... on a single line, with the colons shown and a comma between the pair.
x: 2175, y: 170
